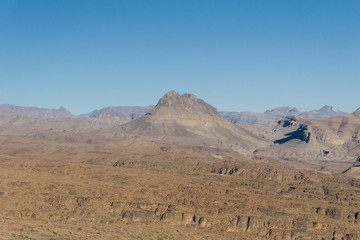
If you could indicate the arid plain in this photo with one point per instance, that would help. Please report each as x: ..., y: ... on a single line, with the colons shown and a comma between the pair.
x: 181, y: 171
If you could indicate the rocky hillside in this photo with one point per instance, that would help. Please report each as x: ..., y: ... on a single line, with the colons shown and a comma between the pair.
x: 187, y: 120
x: 330, y: 144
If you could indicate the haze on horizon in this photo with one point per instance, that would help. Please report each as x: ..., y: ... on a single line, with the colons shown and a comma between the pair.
x: 236, y: 55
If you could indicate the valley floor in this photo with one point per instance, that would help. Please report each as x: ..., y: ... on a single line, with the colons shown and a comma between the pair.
x: 143, y: 190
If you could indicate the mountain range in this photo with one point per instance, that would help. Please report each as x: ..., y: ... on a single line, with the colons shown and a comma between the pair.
x: 328, y: 143
x: 34, y: 112
x: 181, y: 169
x: 239, y: 118
x: 124, y: 112
x: 133, y: 112
x: 249, y: 118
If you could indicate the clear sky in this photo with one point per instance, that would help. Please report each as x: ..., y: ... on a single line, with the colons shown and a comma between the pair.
x: 241, y: 55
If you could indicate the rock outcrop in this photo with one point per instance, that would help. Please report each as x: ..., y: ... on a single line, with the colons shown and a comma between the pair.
x: 330, y: 144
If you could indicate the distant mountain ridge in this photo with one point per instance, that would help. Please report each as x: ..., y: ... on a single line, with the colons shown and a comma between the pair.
x: 133, y: 112
x: 249, y: 118
x: 324, y: 112
x: 331, y: 144
x: 239, y: 118
x: 33, y: 112
x: 124, y: 112
x: 284, y: 111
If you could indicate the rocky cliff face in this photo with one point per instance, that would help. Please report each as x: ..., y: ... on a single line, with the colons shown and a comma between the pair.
x: 186, y: 105
x: 330, y: 144
x: 186, y: 102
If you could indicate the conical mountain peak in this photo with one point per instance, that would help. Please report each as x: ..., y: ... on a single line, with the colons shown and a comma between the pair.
x: 185, y: 102
x: 171, y: 94
x: 188, y: 120
x: 328, y: 108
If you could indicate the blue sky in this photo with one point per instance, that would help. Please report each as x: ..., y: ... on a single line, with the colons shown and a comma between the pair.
x: 236, y: 55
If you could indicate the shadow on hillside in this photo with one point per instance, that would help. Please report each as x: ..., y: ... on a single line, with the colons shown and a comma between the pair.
x: 300, y: 133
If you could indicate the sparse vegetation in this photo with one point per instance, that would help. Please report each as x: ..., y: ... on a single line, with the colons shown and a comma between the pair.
x: 136, y: 189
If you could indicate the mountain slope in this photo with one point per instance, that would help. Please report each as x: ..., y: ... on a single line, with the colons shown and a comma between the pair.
x: 187, y: 120
x: 331, y: 144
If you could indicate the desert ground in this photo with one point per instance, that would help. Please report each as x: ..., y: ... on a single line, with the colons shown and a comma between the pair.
x: 144, y: 190
x: 181, y: 171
